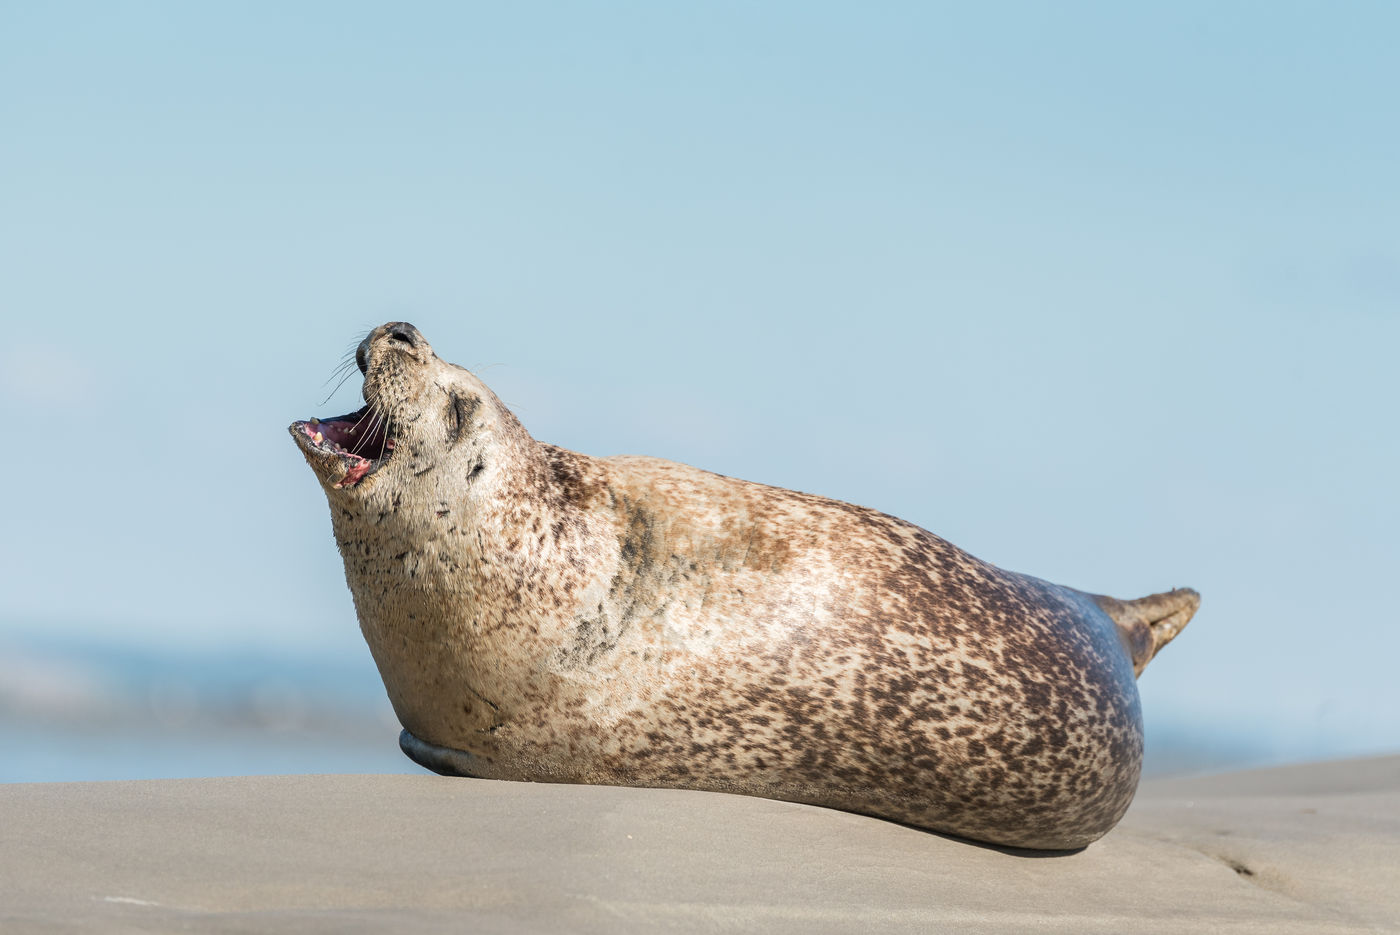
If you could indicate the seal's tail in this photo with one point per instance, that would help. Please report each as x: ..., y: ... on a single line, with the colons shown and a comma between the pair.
x: 1149, y: 623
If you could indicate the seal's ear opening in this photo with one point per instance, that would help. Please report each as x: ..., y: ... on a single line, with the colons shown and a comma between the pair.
x: 1149, y: 623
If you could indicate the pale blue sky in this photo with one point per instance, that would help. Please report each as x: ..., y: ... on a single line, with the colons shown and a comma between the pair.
x: 1102, y: 293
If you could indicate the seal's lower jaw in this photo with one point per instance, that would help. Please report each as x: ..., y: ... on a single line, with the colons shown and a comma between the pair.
x: 345, y: 450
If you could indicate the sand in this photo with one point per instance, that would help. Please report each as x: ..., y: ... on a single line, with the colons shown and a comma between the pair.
x: 1311, y: 849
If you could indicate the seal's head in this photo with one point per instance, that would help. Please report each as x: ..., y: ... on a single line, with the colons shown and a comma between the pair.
x: 420, y: 414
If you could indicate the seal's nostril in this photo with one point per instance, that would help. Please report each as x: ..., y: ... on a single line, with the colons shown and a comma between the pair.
x: 403, y: 331
x: 362, y: 356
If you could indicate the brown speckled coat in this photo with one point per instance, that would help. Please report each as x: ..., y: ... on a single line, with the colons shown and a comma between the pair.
x: 539, y: 614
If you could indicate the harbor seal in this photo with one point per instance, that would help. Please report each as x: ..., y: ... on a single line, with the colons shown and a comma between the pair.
x: 542, y: 615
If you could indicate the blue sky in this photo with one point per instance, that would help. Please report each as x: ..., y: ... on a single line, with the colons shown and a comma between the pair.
x: 1102, y: 293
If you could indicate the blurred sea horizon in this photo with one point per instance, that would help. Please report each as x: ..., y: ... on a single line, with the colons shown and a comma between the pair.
x: 77, y: 709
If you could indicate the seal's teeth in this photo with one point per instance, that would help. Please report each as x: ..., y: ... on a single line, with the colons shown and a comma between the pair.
x: 315, y: 421
x: 318, y: 438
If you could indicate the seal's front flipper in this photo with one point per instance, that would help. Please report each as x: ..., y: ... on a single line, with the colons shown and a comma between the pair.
x: 1149, y: 623
x: 442, y: 760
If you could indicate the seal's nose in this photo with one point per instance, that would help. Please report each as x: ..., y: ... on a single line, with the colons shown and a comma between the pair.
x: 403, y: 331
x: 400, y: 331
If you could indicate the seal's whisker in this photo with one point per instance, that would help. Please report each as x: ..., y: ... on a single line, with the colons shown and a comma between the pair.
x: 373, y: 427
x: 372, y: 413
x: 336, y: 371
x: 379, y: 420
x: 346, y: 360
x: 384, y: 437
x: 345, y: 376
x: 361, y: 436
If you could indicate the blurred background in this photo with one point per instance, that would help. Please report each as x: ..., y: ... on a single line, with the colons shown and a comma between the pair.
x: 1100, y: 292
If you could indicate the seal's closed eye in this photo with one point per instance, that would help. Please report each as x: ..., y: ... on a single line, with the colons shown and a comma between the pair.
x: 458, y: 416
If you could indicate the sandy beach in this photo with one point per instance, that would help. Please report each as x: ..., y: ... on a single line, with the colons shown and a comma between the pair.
x: 1312, y: 848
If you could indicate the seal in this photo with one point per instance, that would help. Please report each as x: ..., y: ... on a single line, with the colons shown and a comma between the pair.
x: 542, y: 615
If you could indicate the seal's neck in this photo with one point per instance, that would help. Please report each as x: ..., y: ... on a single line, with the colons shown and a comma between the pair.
x: 483, y: 523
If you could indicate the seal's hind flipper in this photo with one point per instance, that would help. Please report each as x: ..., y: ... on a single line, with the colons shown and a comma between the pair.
x: 442, y: 760
x: 1151, y: 622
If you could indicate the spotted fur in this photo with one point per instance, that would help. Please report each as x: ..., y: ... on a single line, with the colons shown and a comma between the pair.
x: 538, y: 614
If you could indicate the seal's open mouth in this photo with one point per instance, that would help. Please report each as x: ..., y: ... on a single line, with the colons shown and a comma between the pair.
x: 359, y: 440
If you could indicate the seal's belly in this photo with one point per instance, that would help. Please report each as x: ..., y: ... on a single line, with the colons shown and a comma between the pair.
x: 1015, y: 716
x: 972, y: 700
